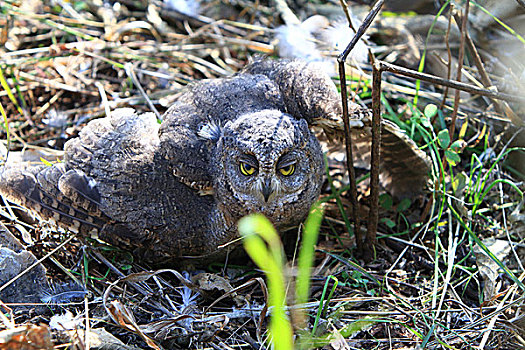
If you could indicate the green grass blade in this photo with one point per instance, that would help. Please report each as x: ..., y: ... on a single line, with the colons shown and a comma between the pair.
x: 322, y: 301
x: 509, y: 29
x: 424, y: 55
x: 6, y: 128
x: 478, y: 241
x: 257, y: 231
x: 306, y: 254
x: 7, y: 89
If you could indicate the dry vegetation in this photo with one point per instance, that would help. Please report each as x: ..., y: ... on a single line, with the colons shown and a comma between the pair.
x: 430, y: 284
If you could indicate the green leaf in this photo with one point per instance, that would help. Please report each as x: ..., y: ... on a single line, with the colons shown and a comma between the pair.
x: 9, y: 93
x: 385, y: 201
x: 443, y: 139
x: 403, y: 205
x: 388, y: 222
x: 430, y: 111
x: 452, y: 157
x: 347, y: 331
x: 425, y: 122
x: 6, y: 126
x: 457, y: 146
x: 459, y: 183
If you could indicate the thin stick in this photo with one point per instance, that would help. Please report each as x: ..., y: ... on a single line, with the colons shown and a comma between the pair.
x: 373, y: 215
x: 362, y: 29
x: 344, y: 5
x: 286, y: 14
x: 481, y: 69
x: 460, y: 66
x: 449, y: 65
x: 350, y: 158
x: 361, y: 246
x: 346, y: 10
x: 450, y: 83
x: 39, y: 261
x: 131, y: 73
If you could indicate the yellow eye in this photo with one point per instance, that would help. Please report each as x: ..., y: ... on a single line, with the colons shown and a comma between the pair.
x: 246, y: 169
x: 288, y: 170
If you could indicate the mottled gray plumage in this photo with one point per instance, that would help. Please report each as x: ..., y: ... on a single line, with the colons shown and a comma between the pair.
x: 177, y: 189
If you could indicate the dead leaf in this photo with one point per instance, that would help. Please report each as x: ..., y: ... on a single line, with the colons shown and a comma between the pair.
x: 99, y: 339
x: 124, y: 318
x: 488, y: 268
x: 210, y: 282
x: 339, y: 342
x: 28, y: 337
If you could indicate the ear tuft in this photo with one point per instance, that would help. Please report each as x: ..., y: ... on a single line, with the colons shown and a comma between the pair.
x: 210, y: 131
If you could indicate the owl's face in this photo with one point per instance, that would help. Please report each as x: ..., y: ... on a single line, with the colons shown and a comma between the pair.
x: 268, y: 162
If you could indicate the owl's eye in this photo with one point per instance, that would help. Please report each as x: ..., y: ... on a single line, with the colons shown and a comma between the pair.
x: 246, y: 169
x: 287, y: 170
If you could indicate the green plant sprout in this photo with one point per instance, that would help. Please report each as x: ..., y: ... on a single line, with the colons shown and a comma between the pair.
x: 263, y: 245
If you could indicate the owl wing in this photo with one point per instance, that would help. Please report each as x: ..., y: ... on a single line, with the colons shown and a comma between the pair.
x: 53, y: 193
x: 191, y: 126
x: 310, y: 94
x: 104, y: 187
x: 119, y: 154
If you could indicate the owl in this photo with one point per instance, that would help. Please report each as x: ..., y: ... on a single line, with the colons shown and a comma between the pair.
x: 225, y: 148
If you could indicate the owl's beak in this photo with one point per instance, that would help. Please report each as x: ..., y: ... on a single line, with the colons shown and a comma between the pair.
x: 267, y: 190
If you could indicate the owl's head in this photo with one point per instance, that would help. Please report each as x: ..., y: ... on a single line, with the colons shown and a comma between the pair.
x: 267, y: 162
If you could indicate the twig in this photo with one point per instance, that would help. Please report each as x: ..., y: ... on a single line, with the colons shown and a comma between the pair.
x: 136, y: 285
x: 362, y: 29
x: 130, y: 72
x: 346, y: 10
x: 39, y: 261
x: 449, y: 64
x: 373, y: 215
x: 452, y: 125
x: 177, y: 16
x: 460, y: 65
x: 350, y: 158
x: 450, y: 83
x: 346, y: 122
x: 344, y: 5
x: 499, y: 310
x: 54, y: 84
x: 478, y: 62
x: 104, y: 98
x: 286, y: 14
x: 48, y: 104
